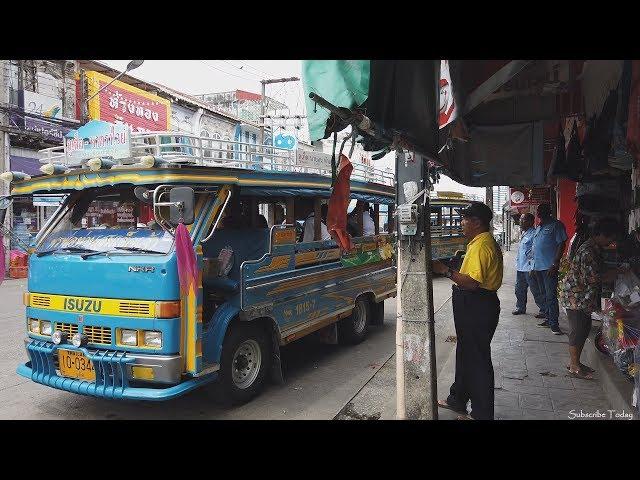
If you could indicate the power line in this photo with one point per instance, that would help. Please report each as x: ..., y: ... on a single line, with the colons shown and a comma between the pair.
x: 240, y: 68
x: 226, y: 73
x: 261, y: 72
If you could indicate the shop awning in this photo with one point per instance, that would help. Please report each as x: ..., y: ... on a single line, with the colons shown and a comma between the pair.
x: 505, y: 111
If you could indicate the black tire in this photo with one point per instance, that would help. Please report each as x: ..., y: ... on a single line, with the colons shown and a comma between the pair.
x: 353, y: 329
x: 243, y: 341
x: 377, y: 313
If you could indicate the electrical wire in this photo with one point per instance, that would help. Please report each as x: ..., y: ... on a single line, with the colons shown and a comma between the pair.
x: 226, y: 73
x: 262, y: 72
x: 240, y: 68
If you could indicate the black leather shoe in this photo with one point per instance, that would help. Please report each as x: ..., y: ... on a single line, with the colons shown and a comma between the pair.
x: 517, y: 312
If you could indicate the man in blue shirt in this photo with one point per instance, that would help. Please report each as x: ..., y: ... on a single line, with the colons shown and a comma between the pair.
x: 524, y: 265
x: 548, y: 246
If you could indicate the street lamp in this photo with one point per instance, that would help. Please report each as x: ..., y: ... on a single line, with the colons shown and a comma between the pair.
x: 132, y: 65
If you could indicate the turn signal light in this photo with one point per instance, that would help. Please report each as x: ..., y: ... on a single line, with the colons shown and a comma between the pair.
x: 26, y: 298
x: 168, y: 309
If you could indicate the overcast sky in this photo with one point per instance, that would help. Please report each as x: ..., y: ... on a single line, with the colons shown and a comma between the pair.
x: 207, y: 76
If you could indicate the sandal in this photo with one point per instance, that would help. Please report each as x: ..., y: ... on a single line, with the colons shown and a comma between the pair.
x: 464, y: 417
x: 579, y: 374
x: 444, y: 404
x: 584, y: 367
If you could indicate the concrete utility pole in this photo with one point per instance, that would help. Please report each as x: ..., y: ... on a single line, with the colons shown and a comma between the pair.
x: 264, y: 83
x: 489, y: 201
x: 416, y: 378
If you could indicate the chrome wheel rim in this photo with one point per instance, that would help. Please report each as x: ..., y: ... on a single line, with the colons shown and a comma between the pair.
x: 359, y: 318
x: 246, y: 363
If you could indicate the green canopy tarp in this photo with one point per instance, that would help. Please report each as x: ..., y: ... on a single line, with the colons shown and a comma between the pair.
x: 344, y: 83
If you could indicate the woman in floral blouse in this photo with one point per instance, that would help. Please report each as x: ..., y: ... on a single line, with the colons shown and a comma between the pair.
x: 580, y: 290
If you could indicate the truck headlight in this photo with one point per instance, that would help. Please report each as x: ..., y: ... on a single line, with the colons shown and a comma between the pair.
x: 58, y: 337
x: 129, y: 337
x: 34, y: 326
x: 45, y: 328
x: 152, y: 339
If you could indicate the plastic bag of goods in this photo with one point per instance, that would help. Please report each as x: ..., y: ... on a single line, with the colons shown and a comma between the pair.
x: 624, y: 360
x: 626, y: 291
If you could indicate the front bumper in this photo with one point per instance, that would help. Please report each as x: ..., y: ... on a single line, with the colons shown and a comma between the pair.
x: 113, y: 373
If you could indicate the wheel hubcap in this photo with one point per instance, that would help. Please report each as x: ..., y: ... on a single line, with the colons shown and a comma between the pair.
x: 246, y: 364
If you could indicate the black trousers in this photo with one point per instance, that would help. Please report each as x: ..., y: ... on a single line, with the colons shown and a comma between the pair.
x: 475, y: 314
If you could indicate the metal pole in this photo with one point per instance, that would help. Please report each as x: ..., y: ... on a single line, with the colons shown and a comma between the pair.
x: 416, y: 378
x: 262, y: 82
x: 262, y: 105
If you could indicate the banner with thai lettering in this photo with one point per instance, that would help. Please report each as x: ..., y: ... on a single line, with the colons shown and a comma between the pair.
x: 98, y: 139
x: 527, y: 197
x: 120, y: 103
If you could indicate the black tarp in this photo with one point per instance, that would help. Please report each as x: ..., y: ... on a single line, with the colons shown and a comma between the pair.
x: 403, y: 99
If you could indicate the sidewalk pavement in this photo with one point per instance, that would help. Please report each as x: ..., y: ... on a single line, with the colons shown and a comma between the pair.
x: 531, y: 380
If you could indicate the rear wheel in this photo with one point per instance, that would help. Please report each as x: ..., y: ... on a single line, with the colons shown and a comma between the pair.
x: 246, y: 355
x: 353, y: 329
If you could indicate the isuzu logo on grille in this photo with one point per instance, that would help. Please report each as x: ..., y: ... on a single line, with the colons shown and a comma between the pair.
x: 140, y: 268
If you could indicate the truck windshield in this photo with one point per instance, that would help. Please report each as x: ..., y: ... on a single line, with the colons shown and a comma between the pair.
x: 106, y: 220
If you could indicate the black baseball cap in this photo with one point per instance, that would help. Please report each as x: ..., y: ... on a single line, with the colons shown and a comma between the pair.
x: 478, y: 210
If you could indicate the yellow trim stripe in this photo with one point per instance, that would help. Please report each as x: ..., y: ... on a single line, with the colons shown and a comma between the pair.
x: 94, y: 305
x: 62, y: 182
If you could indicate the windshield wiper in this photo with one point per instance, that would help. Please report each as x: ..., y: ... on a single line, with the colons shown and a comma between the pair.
x: 141, y: 250
x: 67, y: 249
x: 132, y: 249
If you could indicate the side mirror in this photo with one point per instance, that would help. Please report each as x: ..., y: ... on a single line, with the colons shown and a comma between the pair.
x: 185, y: 197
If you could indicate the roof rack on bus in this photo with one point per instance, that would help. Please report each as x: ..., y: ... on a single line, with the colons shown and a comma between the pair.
x: 447, y: 195
x: 171, y: 149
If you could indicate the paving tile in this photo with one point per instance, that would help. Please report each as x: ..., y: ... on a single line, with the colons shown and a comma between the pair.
x: 514, y: 374
x: 533, y: 379
x: 537, y: 363
x: 506, y: 399
x: 507, y: 413
x: 533, y: 348
x: 587, y: 385
x: 520, y: 387
x: 563, y: 382
x: 509, y: 352
x: 535, y: 402
x: 577, y: 403
x: 538, y: 414
x: 555, y: 348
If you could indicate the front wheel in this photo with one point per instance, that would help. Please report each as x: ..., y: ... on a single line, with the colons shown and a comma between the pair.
x: 353, y: 329
x: 246, y: 355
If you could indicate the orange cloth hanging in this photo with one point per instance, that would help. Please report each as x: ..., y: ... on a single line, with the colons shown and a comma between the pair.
x: 338, y: 204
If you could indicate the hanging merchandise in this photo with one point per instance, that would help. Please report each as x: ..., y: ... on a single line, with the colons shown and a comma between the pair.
x: 620, y: 157
x: 18, y: 264
x: 626, y: 290
x: 597, y: 142
x: 620, y: 332
x: 633, y: 118
x: 2, y: 266
x: 636, y: 378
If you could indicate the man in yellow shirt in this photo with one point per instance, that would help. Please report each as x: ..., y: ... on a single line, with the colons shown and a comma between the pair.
x: 475, y: 313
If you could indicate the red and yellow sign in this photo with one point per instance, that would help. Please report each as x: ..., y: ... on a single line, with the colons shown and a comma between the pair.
x: 122, y: 103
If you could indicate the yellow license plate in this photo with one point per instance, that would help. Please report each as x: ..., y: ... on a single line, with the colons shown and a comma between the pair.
x: 74, y: 364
